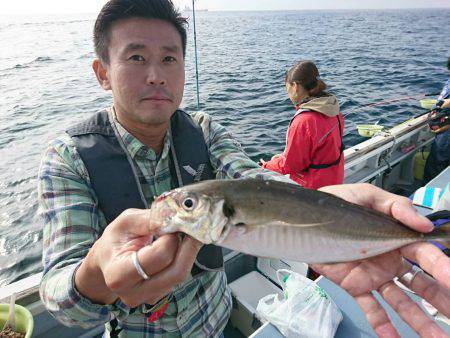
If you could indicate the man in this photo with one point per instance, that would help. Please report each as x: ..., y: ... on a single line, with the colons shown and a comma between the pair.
x: 98, y: 264
x: 439, y: 157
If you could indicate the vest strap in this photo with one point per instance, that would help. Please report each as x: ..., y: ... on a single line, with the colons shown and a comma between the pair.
x: 341, y: 151
x: 111, y: 171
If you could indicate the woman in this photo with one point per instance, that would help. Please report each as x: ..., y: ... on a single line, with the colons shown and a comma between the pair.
x: 313, y: 156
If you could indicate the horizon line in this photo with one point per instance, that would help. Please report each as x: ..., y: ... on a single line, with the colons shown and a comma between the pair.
x: 203, y: 10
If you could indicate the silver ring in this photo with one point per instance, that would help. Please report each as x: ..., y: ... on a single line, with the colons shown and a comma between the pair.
x: 409, y: 276
x: 138, y: 266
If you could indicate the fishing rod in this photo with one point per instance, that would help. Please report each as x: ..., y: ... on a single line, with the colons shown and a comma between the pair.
x: 398, y: 99
x: 375, y: 104
x: 196, y: 56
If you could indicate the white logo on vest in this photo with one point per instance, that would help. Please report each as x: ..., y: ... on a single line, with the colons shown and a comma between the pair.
x: 196, y: 173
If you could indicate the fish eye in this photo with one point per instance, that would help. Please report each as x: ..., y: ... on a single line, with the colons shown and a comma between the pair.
x: 188, y: 204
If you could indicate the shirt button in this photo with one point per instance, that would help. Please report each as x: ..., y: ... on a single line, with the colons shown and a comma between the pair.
x: 181, y: 317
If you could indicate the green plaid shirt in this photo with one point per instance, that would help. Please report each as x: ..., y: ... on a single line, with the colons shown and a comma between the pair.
x: 73, y: 222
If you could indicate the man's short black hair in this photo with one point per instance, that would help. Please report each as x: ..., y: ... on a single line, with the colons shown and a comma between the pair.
x: 115, y: 10
x: 448, y: 63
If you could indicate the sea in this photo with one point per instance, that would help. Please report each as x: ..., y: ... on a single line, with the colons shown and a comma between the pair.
x: 47, y: 84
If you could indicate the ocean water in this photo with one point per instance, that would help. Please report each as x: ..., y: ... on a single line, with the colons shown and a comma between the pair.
x: 46, y: 84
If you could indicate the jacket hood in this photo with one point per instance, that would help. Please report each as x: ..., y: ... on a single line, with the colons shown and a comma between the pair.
x: 326, y: 105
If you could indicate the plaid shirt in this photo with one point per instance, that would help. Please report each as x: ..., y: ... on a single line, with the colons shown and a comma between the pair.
x: 73, y: 222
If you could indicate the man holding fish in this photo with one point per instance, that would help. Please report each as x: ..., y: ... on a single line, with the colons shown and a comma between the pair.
x: 109, y: 260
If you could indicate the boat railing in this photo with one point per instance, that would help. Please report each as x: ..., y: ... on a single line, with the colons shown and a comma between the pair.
x: 369, y: 161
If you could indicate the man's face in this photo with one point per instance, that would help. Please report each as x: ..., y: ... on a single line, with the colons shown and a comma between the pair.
x: 146, y: 70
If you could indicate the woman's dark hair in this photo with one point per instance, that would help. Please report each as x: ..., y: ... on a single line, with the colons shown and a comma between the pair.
x: 306, y: 74
x: 448, y: 63
x: 115, y: 10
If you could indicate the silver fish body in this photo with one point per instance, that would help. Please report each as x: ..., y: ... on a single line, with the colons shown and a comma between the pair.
x: 281, y: 220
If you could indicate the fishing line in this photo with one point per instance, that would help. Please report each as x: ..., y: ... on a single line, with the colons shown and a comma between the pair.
x: 375, y: 104
x: 196, y: 56
x: 429, y: 64
x: 380, y: 103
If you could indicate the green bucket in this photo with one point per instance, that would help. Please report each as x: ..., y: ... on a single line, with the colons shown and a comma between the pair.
x: 369, y: 130
x: 23, y: 317
x: 419, y: 164
x: 427, y: 103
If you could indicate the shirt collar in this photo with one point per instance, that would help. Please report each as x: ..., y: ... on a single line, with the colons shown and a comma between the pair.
x: 135, y: 147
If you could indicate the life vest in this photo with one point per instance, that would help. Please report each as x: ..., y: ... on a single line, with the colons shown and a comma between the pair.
x: 113, y: 175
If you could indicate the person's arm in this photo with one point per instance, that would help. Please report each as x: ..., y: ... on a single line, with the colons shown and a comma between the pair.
x: 445, y: 95
x: 446, y: 103
x: 71, y: 226
x: 88, y: 273
x: 360, y: 278
x: 227, y: 157
x: 298, y: 153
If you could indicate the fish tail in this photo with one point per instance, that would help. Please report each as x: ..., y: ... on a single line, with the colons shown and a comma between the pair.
x: 444, y: 239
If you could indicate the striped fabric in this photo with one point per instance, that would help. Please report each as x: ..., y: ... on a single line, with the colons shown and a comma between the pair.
x: 445, y: 93
x: 73, y: 222
x: 427, y: 197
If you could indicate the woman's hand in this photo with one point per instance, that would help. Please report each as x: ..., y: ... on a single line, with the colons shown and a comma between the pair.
x: 361, y: 277
x: 262, y: 162
x: 274, y: 157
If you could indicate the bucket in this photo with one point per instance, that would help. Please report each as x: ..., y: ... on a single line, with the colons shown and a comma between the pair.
x: 368, y: 130
x: 419, y: 164
x: 23, y: 317
x: 427, y: 103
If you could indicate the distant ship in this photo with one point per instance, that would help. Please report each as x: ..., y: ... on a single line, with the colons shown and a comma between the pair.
x: 189, y: 9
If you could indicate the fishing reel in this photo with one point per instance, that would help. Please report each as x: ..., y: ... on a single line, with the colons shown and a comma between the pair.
x: 439, y: 118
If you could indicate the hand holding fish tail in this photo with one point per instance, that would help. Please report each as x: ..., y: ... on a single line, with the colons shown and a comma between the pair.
x: 377, y: 273
x: 166, y: 262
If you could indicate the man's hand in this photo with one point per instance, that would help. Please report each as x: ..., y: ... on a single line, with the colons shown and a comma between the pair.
x: 108, y: 273
x: 361, y: 277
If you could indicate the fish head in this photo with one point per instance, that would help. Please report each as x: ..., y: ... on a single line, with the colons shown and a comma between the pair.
x: 194, y: 213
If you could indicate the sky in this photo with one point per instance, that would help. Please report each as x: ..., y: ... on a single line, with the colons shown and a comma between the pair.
x: 92, y: 6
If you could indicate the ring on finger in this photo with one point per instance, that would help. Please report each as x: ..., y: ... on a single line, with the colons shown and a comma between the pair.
x: 409, y: 276
x: 138, y: 267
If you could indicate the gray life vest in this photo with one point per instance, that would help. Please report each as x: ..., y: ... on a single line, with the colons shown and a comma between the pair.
x: 114, y: 178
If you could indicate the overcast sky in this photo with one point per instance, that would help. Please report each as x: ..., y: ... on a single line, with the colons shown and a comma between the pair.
x: 92, y: 6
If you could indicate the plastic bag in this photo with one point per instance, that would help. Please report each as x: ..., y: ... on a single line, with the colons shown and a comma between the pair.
x: 305, y: 310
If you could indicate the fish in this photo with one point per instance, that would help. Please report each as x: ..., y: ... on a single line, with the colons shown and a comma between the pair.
x: 275, y: 219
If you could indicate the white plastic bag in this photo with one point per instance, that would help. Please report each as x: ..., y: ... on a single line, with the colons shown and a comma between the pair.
x: 305, y: 310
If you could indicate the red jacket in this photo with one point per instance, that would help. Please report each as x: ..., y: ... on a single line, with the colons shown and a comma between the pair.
x: 307, y: 145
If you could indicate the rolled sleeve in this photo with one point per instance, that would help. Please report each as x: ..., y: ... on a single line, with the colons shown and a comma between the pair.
x: 67, y: 305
